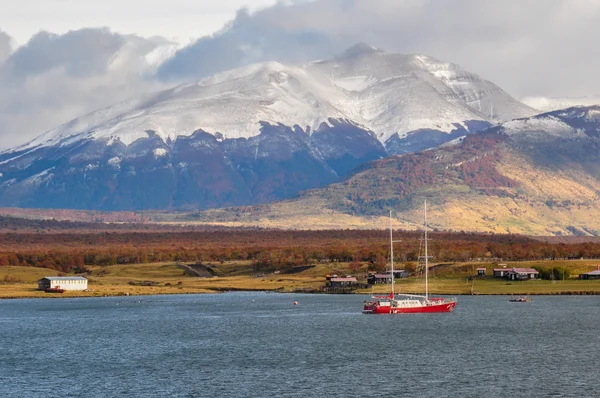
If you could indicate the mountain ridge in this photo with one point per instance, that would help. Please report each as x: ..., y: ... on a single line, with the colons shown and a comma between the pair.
x: 535, y: 176
x: 251, y: 135
x: 307, y: 96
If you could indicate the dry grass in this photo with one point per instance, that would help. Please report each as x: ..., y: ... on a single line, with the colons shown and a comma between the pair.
x: 170, y: 279
x: 449, y: 286
x: 25, y: 274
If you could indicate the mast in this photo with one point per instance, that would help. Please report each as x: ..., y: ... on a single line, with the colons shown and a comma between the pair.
x: 426, y: 255
x: 392, y: 254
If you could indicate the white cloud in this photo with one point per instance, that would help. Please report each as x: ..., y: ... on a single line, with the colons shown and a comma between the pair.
x: 547, y: 104
x: 179, y: 20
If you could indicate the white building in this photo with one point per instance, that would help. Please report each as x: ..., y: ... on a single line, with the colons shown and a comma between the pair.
x: 63, y: 282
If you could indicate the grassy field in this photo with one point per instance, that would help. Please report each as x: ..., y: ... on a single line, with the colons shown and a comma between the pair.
x: 449, y: 286
x: 159, y: 278
x: 169, y: 278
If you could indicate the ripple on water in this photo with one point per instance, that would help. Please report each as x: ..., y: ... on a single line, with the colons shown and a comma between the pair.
x: 256, y: 344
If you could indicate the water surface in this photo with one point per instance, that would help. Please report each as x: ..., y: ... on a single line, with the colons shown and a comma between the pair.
x: 259, y: 344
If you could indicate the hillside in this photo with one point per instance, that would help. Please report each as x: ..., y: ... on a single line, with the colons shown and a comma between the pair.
x: 535, y: 176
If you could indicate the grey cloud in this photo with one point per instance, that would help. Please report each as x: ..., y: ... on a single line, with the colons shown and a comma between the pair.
x: 81, y: 53
x: 247, y: 39
x: 53, y: 79
x: 528, y: 47
x: 5, y: 46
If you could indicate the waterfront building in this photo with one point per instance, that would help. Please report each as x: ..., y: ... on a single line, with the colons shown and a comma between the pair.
x: 63, y: 282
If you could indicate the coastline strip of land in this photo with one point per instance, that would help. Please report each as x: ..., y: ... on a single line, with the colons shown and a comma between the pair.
x: 174, y: 278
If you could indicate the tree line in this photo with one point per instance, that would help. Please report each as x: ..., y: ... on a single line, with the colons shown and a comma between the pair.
x: 72, y: 252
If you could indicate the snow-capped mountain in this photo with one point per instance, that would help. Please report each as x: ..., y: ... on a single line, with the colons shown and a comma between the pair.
x: 390, y: 94
x: 397, y: 95
x: 252, y: 134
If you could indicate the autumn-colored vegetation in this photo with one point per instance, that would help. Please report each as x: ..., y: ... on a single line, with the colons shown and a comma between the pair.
x: 392, y: 182
x: 73, y: 251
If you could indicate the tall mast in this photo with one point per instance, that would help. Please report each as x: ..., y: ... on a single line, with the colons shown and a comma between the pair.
x: 426, y: 254
x: 392, y: 253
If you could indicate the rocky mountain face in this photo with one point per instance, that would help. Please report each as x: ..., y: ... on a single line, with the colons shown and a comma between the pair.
x: 252, y: 135
x: 197, y: 171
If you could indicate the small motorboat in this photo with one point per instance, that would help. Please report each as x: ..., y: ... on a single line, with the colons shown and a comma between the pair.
x: 522, y: 299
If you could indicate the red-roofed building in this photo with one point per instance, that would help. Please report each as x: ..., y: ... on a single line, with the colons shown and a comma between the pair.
x: 590, y: 275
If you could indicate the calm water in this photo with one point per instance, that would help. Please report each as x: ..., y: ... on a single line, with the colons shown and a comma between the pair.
x: 258, y: 344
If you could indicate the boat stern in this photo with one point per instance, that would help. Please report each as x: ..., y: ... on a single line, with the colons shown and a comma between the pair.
x: 376, y: 307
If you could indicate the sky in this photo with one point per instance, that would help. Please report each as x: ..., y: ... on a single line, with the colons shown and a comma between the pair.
x: 179, y: 20
x: 60, y: 59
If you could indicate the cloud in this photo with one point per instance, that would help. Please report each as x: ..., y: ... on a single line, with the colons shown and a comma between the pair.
x: 528, y: 47
x: 81, y: 53
x: 247, y: 39
x: 5, y: 46
x: 55, y: 78
x: 547, y: 104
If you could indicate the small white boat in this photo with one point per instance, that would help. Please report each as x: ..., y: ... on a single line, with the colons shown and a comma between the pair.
x: 521, y: 299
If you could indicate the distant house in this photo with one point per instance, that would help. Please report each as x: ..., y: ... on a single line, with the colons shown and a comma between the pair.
x: 334, y: 281
x: 480, y: 271
x: 375, y: 279
x: 348, y: 281
x: 519, y: 274
x: 400, y: 273
x: 501, y: 272
x: 516, y: 274
x: 63, y: 282
x: 590, y: 275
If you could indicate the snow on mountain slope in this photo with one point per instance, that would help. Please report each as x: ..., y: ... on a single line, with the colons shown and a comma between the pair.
x: 575, y: 123
x: 385, y: 93
x: 479, y: 94
x: 540, y: 128
x: 399, y: 93
x: 232, y: 103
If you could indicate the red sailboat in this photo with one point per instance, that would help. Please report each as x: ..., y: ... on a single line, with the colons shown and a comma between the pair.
x: 408, y: 303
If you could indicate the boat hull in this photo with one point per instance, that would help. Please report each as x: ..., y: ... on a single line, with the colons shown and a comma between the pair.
x: 54, y: 290
x: 436, y: 307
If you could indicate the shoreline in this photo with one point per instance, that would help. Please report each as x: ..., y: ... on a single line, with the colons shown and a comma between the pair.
x: 238, y: 290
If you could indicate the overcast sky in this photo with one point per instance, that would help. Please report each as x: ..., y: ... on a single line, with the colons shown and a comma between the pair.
x: 63, y: 58
x: 181, y: 20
